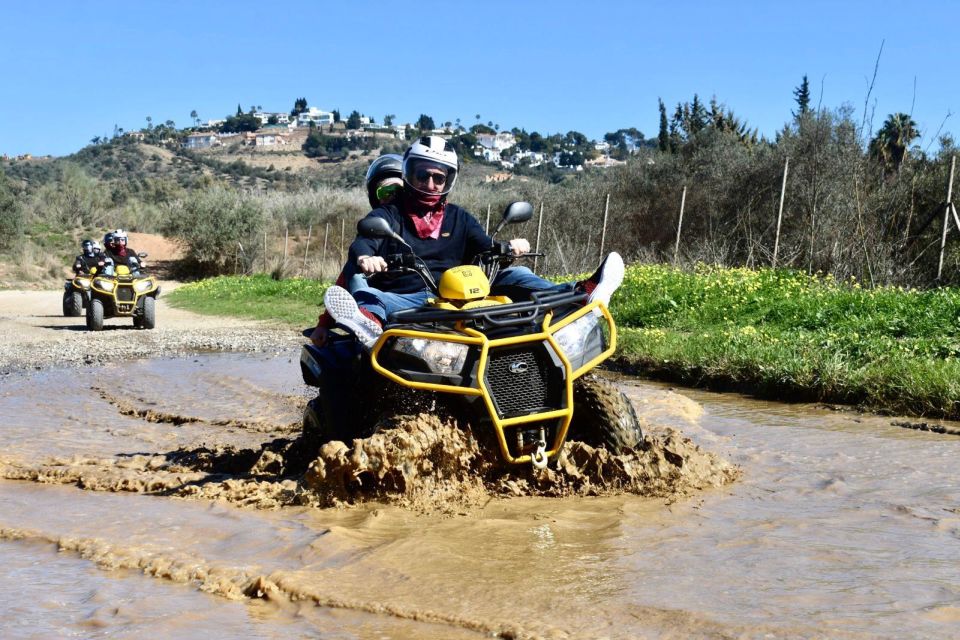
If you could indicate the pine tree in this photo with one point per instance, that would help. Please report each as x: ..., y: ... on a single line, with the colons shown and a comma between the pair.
x: 663, y: 139
x: 802, y: 95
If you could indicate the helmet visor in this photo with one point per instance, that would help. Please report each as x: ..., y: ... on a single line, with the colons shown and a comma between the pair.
x: 429, y: 177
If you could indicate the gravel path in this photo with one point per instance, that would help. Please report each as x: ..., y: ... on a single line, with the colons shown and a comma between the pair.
x: 36, y: 335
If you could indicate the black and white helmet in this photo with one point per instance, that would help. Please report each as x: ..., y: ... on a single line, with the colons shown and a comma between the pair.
x: 88, y: 246
x: 386, y: 167
x: 120, y: 235
x: 426, y: 151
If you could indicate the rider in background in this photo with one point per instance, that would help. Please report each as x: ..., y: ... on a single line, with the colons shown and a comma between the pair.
x: 444, y: 235
x: 91, y: 258
x: 118, y: 253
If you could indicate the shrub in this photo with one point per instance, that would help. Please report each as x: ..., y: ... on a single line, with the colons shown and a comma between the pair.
x: 213, y: 226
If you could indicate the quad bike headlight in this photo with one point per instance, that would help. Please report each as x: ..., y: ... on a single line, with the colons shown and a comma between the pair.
x: 442, y: 357
x: 142, y: 285
x: 102, y: 283
x: 582, y: 339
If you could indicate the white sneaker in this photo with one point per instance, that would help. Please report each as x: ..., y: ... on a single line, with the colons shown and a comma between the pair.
x: 605, y: 280
x: 344, y: 310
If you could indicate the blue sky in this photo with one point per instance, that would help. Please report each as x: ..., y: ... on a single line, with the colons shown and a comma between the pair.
x: 70, y: 71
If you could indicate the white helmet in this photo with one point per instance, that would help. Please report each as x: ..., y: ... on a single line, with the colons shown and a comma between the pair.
x: 120, y: 234
x: 426, y: 151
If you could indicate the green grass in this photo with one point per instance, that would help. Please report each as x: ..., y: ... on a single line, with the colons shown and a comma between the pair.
x: 788, y: 335
x: 779, y: 334
x: 295, y: 302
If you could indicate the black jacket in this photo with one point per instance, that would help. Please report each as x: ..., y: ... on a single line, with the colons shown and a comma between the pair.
x: 461, y: 238
x: 123, y: 260
x: 83, y: 263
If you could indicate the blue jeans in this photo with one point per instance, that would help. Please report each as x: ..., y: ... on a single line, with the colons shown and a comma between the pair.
x: 517, y: 283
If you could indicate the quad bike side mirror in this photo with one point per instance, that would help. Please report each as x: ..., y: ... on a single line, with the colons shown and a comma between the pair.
x: 376, y: 227
x: 142, y: 255
x: 515, y: 212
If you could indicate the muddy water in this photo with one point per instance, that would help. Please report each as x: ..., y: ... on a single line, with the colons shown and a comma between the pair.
x: 161, y: 498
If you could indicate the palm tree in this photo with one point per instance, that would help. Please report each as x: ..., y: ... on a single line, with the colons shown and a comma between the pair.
x: 893, y: 140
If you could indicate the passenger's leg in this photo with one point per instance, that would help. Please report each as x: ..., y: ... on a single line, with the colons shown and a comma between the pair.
x: 518, y: 283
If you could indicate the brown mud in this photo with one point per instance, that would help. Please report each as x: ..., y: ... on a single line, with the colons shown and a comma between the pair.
x: 420, y: 462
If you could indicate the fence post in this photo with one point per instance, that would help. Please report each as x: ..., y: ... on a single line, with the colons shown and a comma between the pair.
x: 603, y: 234
x: 486, y: 228
x: 265, y: 269
x: 343, y: 231
x: 563, y: 261
x: 323, y: 260
x: 946, y: 217
x: 783, y: 191
x: 286, y: 244
x: 676, y: 247
x: 537, y: 248
x: 307, y: 249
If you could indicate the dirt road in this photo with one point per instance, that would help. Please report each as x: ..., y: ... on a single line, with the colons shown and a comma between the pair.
x: 36, y: 334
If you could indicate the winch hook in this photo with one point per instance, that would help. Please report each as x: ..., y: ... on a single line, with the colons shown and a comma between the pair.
x: 539, y: 457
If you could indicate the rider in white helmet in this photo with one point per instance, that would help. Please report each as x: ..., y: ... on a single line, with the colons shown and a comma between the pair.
x: 117, y: 252
x: 444, y: 236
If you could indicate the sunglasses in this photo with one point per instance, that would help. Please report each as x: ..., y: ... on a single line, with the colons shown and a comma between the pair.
x: 423, y: 177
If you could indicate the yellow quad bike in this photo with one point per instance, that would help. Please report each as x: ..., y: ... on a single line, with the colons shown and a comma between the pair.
x: 123, y: 293
x: 519, y: 372
x: 76, y: 293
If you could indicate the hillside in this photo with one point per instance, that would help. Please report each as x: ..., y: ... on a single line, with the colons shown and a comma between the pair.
x: 139, y: 166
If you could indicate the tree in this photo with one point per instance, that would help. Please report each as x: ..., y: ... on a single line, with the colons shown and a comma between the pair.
x: 695, y: 116
x: 892, y: 141
x: 239, y: 110
x: 11, y: 216
x: 353, y: 120
x: 194, y: 117
x: 425, y: 123
x: 299, y: 106
x: 802, y: 95
x: 149, y: 123
x: 663, y: 139
x: 388, y: 120
x: 336, y: 115
x: 241, y: 123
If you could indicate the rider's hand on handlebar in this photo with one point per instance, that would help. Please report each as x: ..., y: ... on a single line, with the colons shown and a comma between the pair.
x: 371, y: 264
x: 519, y: 246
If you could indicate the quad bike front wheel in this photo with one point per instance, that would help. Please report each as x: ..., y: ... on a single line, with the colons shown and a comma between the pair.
x: 149, y: 319
x: 72, y: 304
x: 95, y: 315
x: 603, y: 416
x: 315, y: 427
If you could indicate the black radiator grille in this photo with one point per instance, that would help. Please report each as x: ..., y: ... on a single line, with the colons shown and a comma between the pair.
x: 524, y: 379
x: 125, y: 293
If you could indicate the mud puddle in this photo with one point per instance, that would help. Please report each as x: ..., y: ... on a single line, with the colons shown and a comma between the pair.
x: 839, y: 525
